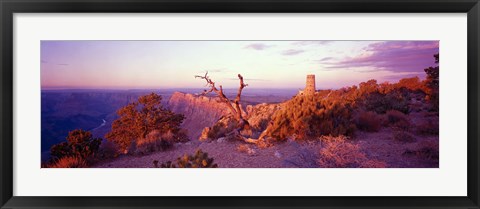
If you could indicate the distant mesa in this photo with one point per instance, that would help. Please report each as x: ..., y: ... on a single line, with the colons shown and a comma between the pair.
x: 310, y: 88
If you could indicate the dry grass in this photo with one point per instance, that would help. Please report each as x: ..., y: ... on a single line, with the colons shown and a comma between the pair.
x: 338, y: 152
x: 427, y: 149
x: 154, y: 141
x: 69, y: 162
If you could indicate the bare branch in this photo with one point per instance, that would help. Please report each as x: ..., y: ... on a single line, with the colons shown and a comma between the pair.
x: 237, y: 110
x: 239, y: 95
x: 220, y: 93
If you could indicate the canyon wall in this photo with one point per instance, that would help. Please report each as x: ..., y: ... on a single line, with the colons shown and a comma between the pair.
x: 199, y: 111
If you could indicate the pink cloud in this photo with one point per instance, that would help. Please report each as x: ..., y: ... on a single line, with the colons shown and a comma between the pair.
x: 258, y: 46
x: 303, y: 43
x: 291, y: 52
x: 395, y: 56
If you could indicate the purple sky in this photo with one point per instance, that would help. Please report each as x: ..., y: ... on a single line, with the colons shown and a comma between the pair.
x: 264, y: 64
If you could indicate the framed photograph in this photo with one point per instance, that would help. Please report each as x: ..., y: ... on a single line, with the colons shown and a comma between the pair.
x: 265, y: 104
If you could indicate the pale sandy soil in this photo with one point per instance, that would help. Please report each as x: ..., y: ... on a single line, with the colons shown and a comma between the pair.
x: 377, y: 146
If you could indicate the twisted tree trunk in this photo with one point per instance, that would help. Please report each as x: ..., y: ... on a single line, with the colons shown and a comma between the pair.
x: 235, y: 109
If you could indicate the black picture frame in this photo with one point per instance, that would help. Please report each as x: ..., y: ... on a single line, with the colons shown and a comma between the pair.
x: 10, y: 7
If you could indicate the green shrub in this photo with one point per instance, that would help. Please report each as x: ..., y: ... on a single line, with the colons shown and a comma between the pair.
x: 80, y: 144
x: 140, y: 118
x: 397, y: 99
x: 199, y: 160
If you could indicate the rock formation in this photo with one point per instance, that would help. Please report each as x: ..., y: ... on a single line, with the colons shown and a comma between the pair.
x: 203, y: 111
x: 200, y: 111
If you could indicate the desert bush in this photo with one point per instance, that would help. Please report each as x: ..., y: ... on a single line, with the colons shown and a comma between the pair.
x: 368, y: 121
x: 329, y: 112
x: 80, y: 144
x: 427, y: 149
x: 428, y: 127
x: 309, y: 117
x: 181, y: 136
x: 69, y: 162
x: 217, y: 130
x: 403, y: 136
x: 60, y: 150
x: 198, y: 160
x: 168, y: 164
x: 395, y: 116
x: 154, y: 141
x: 221, y: 128
x: 302, y: 158
x: 337, y: 152
x: 398, y: 120
x: 432, y: 82
x: 413, y: 84
x: 140, y: 118
x: 397, y: 99
x: 155, y: 163
x: 403, y: 125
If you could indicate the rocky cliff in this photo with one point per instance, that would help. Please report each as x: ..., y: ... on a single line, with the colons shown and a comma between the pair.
x: 200, y: 111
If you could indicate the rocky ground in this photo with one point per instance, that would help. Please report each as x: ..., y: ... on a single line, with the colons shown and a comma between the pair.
x: 409, y: 148
x: 379, y: 146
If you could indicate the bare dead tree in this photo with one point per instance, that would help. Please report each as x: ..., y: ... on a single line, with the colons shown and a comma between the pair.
x: 235, y: 107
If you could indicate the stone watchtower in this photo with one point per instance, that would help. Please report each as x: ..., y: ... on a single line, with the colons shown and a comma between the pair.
x: 310, y: 87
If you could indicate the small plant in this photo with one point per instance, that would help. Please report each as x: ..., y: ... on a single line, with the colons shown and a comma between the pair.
x: 218, y: 130
x: 69, y: 162
x: 199, y: 160
x: 338, y: 152
x: 79, y: 144
x: 154, y: 141
x: 168, y: 164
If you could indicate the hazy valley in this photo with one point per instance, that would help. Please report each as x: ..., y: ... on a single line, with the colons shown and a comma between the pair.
x: 95, y: 110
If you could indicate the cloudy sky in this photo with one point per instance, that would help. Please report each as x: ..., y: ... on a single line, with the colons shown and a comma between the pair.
x: 264, y: 64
